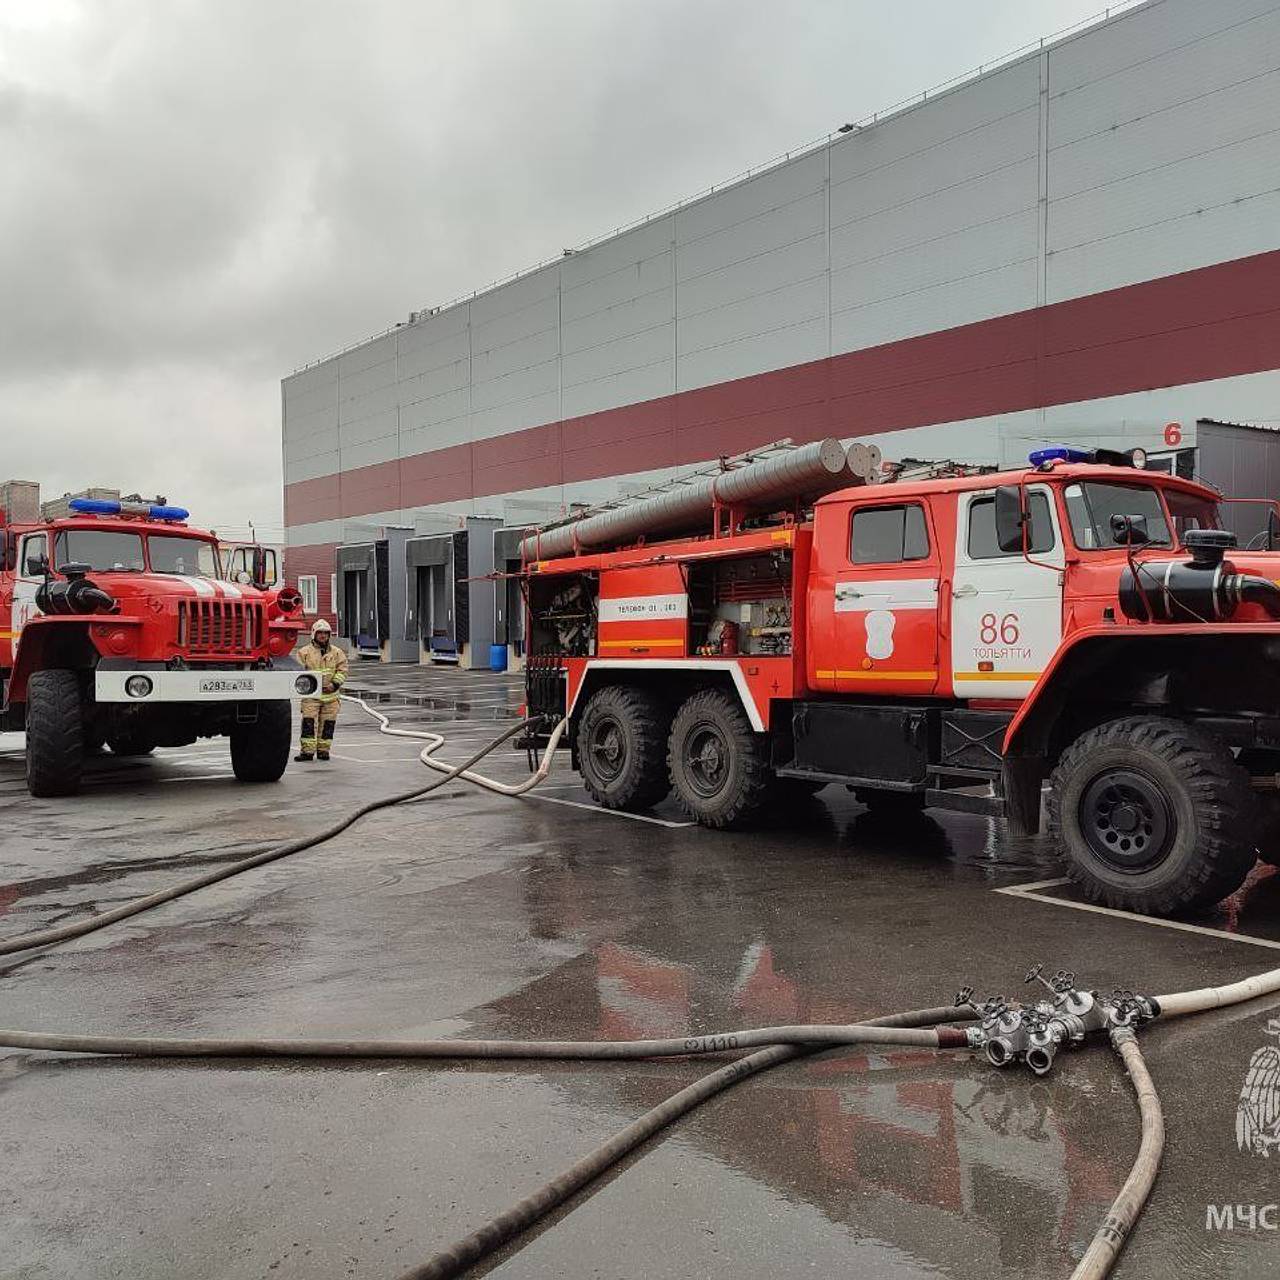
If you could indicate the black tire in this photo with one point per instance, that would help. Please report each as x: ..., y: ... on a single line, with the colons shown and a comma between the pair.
x: 260, y: 751
x: 891, y: 804
x: 622, y: 748
x: 126, y: 743
x: 55, y: 733
x: 719, y: 766
x: 1153, y: 816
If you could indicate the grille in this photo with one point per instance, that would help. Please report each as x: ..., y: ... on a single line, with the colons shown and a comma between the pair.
x: 219, y: 626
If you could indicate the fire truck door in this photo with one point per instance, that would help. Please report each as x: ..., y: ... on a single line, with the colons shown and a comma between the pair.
x: 885, y: 605
x: 1006, y: 611
x: 33, y: 552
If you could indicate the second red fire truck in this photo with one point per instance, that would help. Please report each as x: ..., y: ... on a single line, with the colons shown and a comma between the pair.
x: 954, y: 642
x: 118, y: 628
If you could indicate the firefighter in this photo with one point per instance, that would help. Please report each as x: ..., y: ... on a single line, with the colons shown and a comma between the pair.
x: 324, y: 656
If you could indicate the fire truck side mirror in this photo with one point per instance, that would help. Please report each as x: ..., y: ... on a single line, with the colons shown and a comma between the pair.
x: 1011, y: 517
x: 264, y: 567
x: 1129, y: 531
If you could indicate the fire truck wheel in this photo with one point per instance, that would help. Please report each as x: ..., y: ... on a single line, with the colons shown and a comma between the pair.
x: 622, y: 748
x: 1153, y: 816
x: 260, y: 750
x: 719, y: 766
x: 55, y: 733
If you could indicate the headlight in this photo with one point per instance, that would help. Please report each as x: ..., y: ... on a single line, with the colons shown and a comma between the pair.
x: 138, y: 686
x: 305, y: 684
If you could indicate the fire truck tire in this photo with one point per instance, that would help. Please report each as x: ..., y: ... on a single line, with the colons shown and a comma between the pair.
x: 1153, y: 815
x: 622, y: 748
x: 260, y: 751
x: 55, y: 733
x: 719, y: 766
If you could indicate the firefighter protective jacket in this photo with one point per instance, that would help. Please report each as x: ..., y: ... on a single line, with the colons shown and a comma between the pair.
x: 332, y: 661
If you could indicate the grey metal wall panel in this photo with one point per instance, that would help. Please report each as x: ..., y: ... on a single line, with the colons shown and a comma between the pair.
x: 1153, y: 150
x: 1144, y: 34
x: 935, y: 126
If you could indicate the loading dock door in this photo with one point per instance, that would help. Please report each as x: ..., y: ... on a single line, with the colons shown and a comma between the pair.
x: 429, y: 583
x: 356, y: 602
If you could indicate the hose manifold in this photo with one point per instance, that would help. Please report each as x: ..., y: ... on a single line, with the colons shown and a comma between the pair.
x: 1034, y: 1032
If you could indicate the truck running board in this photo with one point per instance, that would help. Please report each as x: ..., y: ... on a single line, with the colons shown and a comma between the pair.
x: 966, y: 800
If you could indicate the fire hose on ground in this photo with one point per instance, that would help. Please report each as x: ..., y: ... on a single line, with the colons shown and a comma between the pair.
x: 1030, y: 1032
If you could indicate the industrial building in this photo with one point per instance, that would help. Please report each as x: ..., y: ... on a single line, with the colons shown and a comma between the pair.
x: 1082, y: 243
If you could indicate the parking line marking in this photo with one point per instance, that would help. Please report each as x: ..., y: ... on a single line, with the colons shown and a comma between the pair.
x: 196, y: 777
x: 1028, y: 892
x: 610, y: 813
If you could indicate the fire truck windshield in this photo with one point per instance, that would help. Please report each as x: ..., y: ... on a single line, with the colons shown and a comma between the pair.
x: 191, y: 556
x: 1091, y: 505
x: 103, y: 550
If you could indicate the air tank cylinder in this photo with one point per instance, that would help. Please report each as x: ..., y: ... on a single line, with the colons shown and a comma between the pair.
x: 1205, y: 588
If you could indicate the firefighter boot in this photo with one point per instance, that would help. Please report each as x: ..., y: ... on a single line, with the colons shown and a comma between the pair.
x: 326, y: 739
x: 308, y: 744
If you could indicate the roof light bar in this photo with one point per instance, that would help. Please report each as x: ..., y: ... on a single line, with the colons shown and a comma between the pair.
x: 1103, y: 457
x: 1059, y: 453
x: 114, y: 507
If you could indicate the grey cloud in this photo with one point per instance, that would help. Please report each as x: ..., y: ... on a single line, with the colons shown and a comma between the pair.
x: 199, y: 196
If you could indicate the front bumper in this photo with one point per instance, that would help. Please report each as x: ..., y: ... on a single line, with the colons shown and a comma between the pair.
x: 204, y: 686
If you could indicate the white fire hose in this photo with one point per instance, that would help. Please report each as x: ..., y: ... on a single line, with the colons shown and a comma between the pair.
x: 435, y: 741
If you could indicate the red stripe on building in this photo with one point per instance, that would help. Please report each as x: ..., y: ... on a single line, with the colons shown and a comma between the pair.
x: 1213, y: 322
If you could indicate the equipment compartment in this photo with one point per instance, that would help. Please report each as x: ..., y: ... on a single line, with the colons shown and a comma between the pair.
x: 741, y: 606
x: 562, y: 614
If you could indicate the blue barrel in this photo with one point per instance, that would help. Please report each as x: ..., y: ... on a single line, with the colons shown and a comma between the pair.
x: 497, y: 657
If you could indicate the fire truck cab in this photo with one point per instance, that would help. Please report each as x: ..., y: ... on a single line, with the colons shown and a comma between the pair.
x: 953, y: 642
x: 118, y: 627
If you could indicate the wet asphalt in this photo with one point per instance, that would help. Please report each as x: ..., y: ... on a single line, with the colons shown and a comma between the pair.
x: 473, y: 915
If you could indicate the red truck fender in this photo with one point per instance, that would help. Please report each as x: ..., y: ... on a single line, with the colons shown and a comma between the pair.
x: 56, y: 641
x: 1086, y: 652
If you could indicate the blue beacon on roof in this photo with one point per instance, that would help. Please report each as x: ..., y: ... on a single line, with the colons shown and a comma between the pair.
x: 112, y: 507
x: 1059, y: 453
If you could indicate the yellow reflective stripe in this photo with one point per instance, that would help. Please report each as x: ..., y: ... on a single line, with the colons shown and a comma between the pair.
x: 996, y: 675
x: 885, y: 675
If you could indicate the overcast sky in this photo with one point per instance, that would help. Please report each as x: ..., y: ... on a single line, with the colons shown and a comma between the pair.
x: 197, y: 196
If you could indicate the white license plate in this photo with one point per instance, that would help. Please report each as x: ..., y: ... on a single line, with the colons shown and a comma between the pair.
x: 243, y: 685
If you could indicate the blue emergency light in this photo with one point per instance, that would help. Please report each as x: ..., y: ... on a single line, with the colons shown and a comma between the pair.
x: 1059, y: 453
x: 113, y: 507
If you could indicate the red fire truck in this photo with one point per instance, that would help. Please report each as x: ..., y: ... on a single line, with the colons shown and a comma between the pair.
x: 953, y: 642
x: 117, y: 627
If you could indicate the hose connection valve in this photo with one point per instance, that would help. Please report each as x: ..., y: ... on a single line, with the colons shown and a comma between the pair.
x: 1033, y: 1032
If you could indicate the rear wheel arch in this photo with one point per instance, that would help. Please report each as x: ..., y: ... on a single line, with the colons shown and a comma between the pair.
x: 671, y: 685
